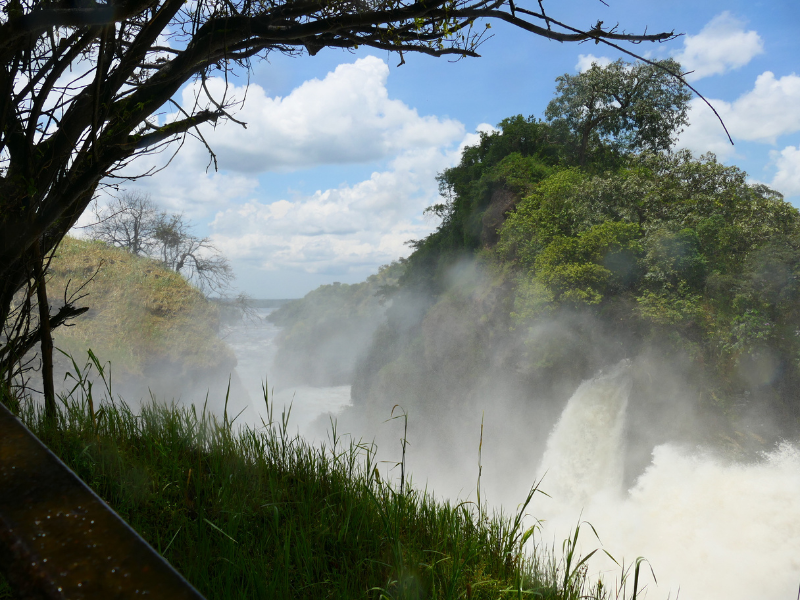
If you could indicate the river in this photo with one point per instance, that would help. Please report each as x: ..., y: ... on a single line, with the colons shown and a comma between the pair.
x: 253, y: 341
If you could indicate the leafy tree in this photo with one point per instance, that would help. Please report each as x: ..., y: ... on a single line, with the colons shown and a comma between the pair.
x: 582, y: 269
x: 638, y: 106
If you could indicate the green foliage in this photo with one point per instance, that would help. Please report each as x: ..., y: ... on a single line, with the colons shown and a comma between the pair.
x: 680, y: 249
x: 584, y: 268
x: 632, y: 106
x: 339, y: 301
x: 674, y: 259
x: 549, y: 211
x: 666, y: 224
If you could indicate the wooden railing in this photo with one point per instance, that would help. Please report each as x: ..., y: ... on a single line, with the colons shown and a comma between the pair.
x: 58, y: 539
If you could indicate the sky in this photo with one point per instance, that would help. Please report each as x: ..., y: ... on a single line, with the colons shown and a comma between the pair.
x: 330, y: 178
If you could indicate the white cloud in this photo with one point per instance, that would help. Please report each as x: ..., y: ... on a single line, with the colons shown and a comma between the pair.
x: 721, y: 46
x: 347, y: 117
x: 771, y: 109
x: 585, y: 62
x: 343, y: 229
x: 787, y: 178
x: 704, y: 132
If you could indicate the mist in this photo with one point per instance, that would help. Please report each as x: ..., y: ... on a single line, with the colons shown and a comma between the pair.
x: 614, y: 429
x: 611, y: 429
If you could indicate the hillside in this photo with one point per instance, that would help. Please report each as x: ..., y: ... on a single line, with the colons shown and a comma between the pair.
x: 158, y: 332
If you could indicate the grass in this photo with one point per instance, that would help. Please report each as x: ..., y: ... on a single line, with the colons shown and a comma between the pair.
x: 258, y: 513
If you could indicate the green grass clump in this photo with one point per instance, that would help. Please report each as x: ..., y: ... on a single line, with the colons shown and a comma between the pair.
x: 257, y: 513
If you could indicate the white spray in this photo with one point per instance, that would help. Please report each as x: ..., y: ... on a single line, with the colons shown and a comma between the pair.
x: 712, y: 529
x: 584, y: 454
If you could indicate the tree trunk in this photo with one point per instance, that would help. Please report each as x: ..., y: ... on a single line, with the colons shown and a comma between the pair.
x: 45, y: 337
x: 583, y: 147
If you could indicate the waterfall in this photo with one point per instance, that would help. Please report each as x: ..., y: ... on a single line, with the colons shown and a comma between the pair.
x: 711, y: 528
x: 585, y: 451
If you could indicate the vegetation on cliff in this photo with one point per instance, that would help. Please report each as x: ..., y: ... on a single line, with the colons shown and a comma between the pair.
x: 563, y: 249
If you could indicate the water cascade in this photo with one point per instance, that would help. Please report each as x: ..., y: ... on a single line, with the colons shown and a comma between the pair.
x: 253, y: 341
x: 712, y: 528
x: 584, y: 454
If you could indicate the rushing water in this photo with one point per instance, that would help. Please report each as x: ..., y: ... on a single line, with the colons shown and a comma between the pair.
x: 711, y: 528
x: 253, y: 340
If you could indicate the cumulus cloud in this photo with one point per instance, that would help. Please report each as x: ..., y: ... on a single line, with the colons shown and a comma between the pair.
x: 771, y: 109
x: 346, y: 117
x: 585, y: 62
x: 337, y: 230
x: 787, y: 177
x: 704, y: 132
x: 721, y: 46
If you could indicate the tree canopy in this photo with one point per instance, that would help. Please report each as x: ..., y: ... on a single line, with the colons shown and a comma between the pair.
x: 638, y: 106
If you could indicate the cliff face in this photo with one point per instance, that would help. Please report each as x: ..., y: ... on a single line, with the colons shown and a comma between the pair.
x: 502, y: 202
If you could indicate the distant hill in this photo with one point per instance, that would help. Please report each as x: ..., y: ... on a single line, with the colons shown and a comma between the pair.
x: 255, y: 302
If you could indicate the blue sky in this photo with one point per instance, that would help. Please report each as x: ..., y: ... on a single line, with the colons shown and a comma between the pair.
x: 341, y: 151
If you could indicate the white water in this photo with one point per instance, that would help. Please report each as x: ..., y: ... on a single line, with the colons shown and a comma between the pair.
x: 253, y: 341
x: 711, y: 529
x: 584, y: 454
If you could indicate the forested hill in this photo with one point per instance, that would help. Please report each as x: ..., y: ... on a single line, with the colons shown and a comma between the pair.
x: 568, y: 244
x: 666, y: 246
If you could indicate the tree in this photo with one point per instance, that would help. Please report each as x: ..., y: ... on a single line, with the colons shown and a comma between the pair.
x: 639, y: 106
x: 129, y: 221
x: 133, y: 222
x: 196, y: 258
x: 82, y: 82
